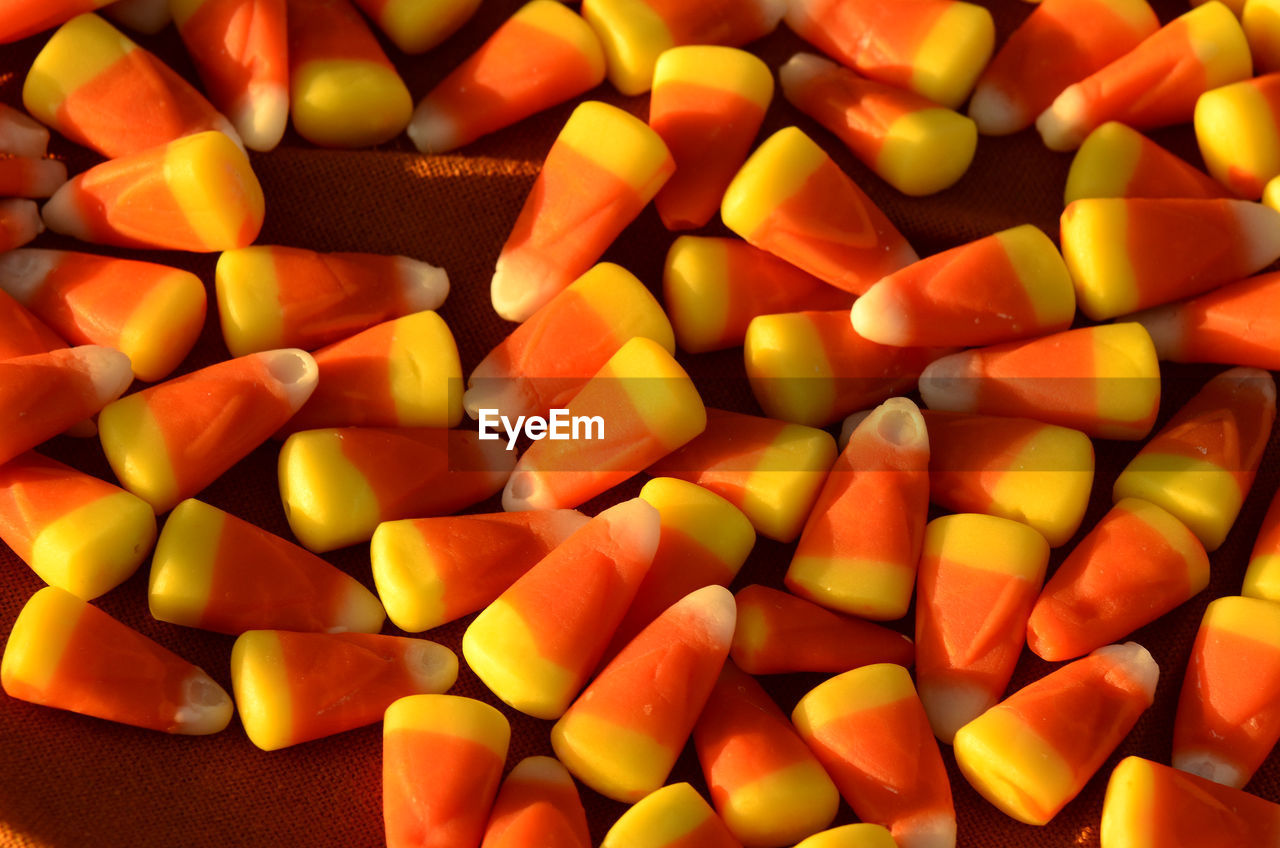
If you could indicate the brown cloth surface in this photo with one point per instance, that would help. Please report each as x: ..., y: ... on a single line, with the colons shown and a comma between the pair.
x: 68, y: 780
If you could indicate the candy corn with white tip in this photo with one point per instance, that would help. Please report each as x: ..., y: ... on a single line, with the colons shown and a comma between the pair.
x: 1236, y: 324
x: 1116, y: 161
x: 675, y: 816
x: 417, y: 27
x: 538, y: 804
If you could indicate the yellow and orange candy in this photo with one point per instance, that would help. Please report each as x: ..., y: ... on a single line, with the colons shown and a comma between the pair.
x: 707, y: 105
x: 542, y: 55
x: 675, y: 816
x: 20, y: 135
x: 584, y: 196
x: 537, y: 805
x: 1116, y: 161
x: 151, y: 313
x: 912, y: 143
x: 66, y: 654
x: 1261, y: 22
x: 1239, y: 134
x: 1236, y: 324
x: 21, y: 333
x: 1262, y: 577
x: 20, y: 222
x: 416, y: 27
x: 28, y: 176
x: 791, y: 199
x: 218, y: 572
x: 851, y: 836
x: 442, y: 759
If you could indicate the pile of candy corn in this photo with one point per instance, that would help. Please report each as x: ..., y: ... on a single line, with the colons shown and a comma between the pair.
x: 567, y: 521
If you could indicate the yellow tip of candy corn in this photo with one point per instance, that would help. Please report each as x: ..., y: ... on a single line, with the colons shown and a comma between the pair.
x: 347, y: 103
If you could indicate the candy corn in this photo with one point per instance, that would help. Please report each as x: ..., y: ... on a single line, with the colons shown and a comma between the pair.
x: 1261, y: 22
x: 145, y: 16
x: 675, y: 816
x: 1201, y: 466
x: 246, y: 76
x: 1116, y: 161
x: 170, y: 441
x: 535, y: 646
x: 1239, y: 135
x: 779, y: 633
x: 642, y: 406
x: 339, y: 484
x: 714, y: 287
x: 43, y: 394
x: 417, y: 27
x: 21, y: 136
x: 1104, y: 381
x: 21, y: 333
x: 1233, y: 325
x: 295, y: 687
x: 77, y: 532
x: 64, y: 653
x: 430, y: 571
x: 218, y: 572
x: 442, y: 758
x: 197, y: 193
x: 585, y: 195
x: 707, y: 104
x: 770, y: 470
x: 979, y: 576
x: 792, y: 199
x: 1156, y: 83
x: 912, y: 143
x: 1138, y: 563
x: 1227, y: 721
x: 1262, y: 578
x: 868, y: 728
x: 1035, y: 750
x: 851, y: 836
x: 26, y: 176
x: 622, y: 735
x: 19, y: 223
x: 538, y: 804
x: 343, y: 91
x: 151, y: 313
x: 543, y: 55
x: 99, y: 89
x: 937, y: 49
x: 549, y: 357
x: 1048, y: 52
x: 764, y: 782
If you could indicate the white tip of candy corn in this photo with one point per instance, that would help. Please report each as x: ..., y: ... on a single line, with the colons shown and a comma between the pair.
x: 23, y: 271
x: 424, y: 286
x: 526, y: 490
x: 1209, y: 766
x: 1164, y: 326
x: 947, y: 384
x: 433, y: 667
x: 431, y: 130
x: 950, y: 706
x: 898, y: 422
x: 771, y: 11
x: 499, y: 393
x: 1259, y: 231
x: 261, y: 116
x: 880, y: 316
x: 850, y: 424
x: 24, y: 217
x: 109, y: 370
x: 799, y: 70
x: 206, y: 707
x: 61, y: 212
x: 294, y: 371
x: 716, y: 608
x: 1062, y: 125
x: 1134, y: 662
x: 933, y: 830
x: 514, y: 297
x: 992, y: 111
x: 223, y: 125
x: 635, y: 525
x: 801, y: 15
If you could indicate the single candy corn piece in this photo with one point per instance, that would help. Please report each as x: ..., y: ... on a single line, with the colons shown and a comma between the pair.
x: 779, y: 633
x: 1261, y: 22
x: 64, y: 653
x: 861, y: 543
x: 1116, y: 161
x: 430, y: 571
x: 704, y: 540
x: 536, y: 645
x: 145, y: 16
x: 19, y: 222
x: 622, y: 735
x: 21, y: 333
x: 912, y: 143
x: 764, y: 782
x: 442, y: 758
x: 584, y: 196
x: 707, y: 104
x: 538, y: 804
x: 635, y: 33
x: 343, y: 91
x: 638, y: 408
x: 1126, y: 254
x: 27, y: 176
x: 1048, y: 52
x: 1200, y: 466
x: 417, y: 27
x: 542, y: 55
x: 218, y: 572
x: 247, y: 76
x: 339, y: 484
x: 813, y: 368
x: 1007, y: 286
x: 170, y: 441
x: 1015, y: 468
x: 295, y: 687
x: 549, y: 357
x: 197, y: 193
x: 771, y: 470
x: 1135, y: 565
x: 1236, y: 324
x: 21, y: 136
x: 979, y: 577
x: 43, y: 394
x: 792, y: 199
x: 1034, y: 751
x: 99, y: 89
x: 1228, y: 720
x: 1262, y: 578
x: 675, y: 816
x: 1156, y: 83
x: 1149, y: 805
x: 77, y: 532
x: 869, y: 730
x: 851, y: 836
x: 151, y: 313
x: 1103, y: 380
x: 713, y: 287
x: 1239, y: 134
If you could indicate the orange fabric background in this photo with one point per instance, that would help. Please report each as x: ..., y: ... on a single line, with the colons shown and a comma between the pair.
x: 67, y: 780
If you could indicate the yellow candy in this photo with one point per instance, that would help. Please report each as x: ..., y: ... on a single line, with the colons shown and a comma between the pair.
x: 851, y: 836
x: 1238, y: 134
x: 1261, y: 22
x: 666, y: 817
x: 416, y: 26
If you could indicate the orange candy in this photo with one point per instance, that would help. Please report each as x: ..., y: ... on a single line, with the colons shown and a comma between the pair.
x: 19, y: 222
x: 25, y: 176
x: 1237, y: 324
x: 21, y: 333
x: 538, y: 805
